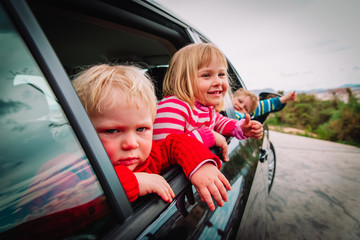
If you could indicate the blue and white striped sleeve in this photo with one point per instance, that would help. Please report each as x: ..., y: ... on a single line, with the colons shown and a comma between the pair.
x: 240, y: 115
x: 266, y: 106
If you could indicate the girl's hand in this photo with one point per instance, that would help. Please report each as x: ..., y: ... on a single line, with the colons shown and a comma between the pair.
x: 154, y: 183
x: 252, y: 128
x: 209, y: 181
x: 220, y: 141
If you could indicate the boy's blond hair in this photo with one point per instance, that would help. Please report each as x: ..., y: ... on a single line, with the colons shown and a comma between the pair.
x: 181, y: 77
x: 102, y: 83
x: 253, y: 98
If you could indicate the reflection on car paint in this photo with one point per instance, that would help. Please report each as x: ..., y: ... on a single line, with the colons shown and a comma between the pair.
x: 222, y: 217
x: 201, y: 223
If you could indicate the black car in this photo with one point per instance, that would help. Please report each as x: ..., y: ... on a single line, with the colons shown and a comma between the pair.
x: 57, y: 181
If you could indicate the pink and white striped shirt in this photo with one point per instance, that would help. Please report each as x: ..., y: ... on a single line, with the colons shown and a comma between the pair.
x: 175, y: 116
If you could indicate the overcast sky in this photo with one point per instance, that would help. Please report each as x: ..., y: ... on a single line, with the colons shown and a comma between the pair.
x: 281, y: 44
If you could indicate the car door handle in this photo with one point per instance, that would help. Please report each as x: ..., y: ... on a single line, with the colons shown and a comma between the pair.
x: 263, y: 155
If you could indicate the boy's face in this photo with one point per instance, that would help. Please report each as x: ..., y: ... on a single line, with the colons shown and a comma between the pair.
x: 213, y: 82
x: 242, y: 104
x: 126, y: 132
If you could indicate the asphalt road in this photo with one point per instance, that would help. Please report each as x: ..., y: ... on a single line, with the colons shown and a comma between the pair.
x: 316, y: 192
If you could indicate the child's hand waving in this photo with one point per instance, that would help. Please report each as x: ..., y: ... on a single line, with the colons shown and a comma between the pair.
x: 209, y: 181
x: 291, y: 96
x: 154, y: 183
x: 252, y: 128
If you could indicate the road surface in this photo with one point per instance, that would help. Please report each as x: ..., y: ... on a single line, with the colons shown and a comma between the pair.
x: 316, y: 192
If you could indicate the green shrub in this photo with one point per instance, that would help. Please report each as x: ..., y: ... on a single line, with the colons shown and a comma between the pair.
x: 331, y: 120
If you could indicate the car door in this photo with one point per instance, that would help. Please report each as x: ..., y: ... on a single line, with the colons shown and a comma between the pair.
x: 50, y: 189
x: 61, y: 37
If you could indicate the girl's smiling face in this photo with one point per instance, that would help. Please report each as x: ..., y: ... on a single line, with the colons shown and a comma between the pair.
x: 212, y: 83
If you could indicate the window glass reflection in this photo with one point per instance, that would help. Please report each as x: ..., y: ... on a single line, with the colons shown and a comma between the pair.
x: 47, y: 186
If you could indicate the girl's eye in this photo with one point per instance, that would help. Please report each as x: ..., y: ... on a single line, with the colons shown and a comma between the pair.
x: 141, y: 129
x: 206, y: 75
x: 222, y: 74
x: 111, y: 131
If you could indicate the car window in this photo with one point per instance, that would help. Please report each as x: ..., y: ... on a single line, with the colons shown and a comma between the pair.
x: 48, y: 187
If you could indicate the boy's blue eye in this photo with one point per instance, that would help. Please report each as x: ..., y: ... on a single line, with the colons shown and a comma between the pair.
x: 111, y: 131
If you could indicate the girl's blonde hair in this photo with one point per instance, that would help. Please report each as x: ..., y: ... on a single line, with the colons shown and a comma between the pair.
x: 181, y: 77
x: 253, y: 97
x: 102, y: 83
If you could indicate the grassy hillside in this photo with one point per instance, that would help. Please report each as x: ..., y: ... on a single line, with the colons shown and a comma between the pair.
x: 331, y: 120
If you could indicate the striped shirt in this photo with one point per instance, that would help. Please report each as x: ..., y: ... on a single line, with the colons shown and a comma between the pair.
x: 175, y: 116
x: 264, y: 106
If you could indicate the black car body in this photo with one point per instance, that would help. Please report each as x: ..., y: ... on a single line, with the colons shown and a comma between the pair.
x: 57, y: 181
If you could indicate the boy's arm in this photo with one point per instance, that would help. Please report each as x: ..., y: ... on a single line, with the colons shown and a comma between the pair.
x: 142, y: 183
x: 291, y: 96
x: 154, y: 183
x: 266, y: 106
x: 174, y: 116
x: 129, y: 182
x: 240, y: 115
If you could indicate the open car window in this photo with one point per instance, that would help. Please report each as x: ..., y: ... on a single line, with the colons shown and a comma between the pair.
x: 90, y: 35
x: 46, y: 178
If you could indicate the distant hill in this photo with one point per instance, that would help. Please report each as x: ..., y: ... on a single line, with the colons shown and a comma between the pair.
x: 319, y: 90
x: 350, y: 85
x: 322, y: 93
x: 258, y: 91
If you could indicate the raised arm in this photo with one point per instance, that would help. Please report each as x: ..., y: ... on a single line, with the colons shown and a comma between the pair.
x: 266, y: 106
x: 291, y: 96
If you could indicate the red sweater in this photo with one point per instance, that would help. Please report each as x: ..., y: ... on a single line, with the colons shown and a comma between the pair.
x: 177, y: 149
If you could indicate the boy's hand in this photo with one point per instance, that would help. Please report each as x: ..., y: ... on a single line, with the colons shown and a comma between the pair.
x: 209, y: 181
x: 291, y: 96
x: 252, y: 128
x: 220, y: 141
x: 154, y: 183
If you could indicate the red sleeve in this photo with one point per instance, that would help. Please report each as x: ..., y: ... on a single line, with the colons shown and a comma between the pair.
x: 183, y: 150
x: 128, y: 181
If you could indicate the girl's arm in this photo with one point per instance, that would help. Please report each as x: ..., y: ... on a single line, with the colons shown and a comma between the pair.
x: 241, y: 129
x: 224, y: 125
x: 175, y: 116
x: 199, y: 165
x: 183, y: 150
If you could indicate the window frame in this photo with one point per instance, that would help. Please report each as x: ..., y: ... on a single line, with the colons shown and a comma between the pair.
x: 52, y: 69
